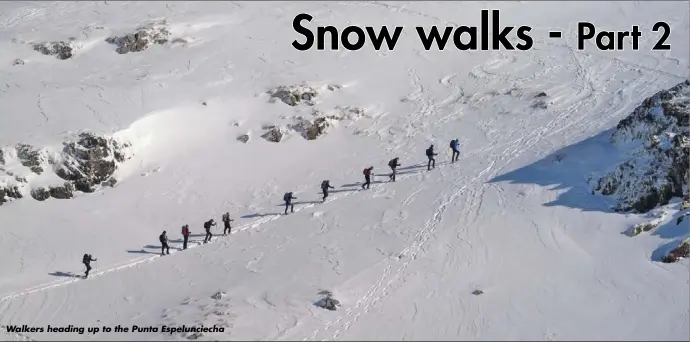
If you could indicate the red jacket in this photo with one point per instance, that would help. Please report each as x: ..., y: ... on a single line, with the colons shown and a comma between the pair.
x: 185, y: 231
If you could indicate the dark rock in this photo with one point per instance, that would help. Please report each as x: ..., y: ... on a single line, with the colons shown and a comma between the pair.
x: 140, y: 40
x: 62, y: 192
x: 540, y: 94
x: 293, y: 95
x: 11, y: 192
x: 328, y: 302
x: 680, y: 252
x: 274, y: 134
x: 243, y: 138
x: 311, y: 130
x: 40, y: 194
x: 89, y: 161
x: 477, y: 292
x: 18, y: 62
x: 59, y: 49
x: 29, y: 157
x: 656, y: 137
x: 20, y: 179
x: 110, y: 182
x: 2, y: 157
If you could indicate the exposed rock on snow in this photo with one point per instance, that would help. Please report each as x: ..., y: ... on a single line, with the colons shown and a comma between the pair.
x: 30, y: 157
x: 61, y: 50
x: 65, y: 191
x: 89, y: 161
x: 40, y: 194
x: 680, y: 252
x: 311, y: 130
x: 659, y: 217
x: 656, y: 138
x: 274, y: 134
x: 142, y: 38
x: 327, y: 302
x: 243, y: 138
x: 17, y: 62
x: 477, y: 292
x: 218, y: 295
x: 8, y: 193
x: 293, y: 95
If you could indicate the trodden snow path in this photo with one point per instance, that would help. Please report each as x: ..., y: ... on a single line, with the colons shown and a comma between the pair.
x: 402, y: 258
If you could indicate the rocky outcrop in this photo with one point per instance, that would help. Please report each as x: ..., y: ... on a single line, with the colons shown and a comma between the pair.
x: 40, y: 194
x: 61, y: 50
x: 293, y: 95
x: 311, y: 130
x: 327, y: 302
x: 142, y: 38
x: 680, y: 252
x: 273, y: 133
x: 8, y: 193
x: 656, y: 141
x: 89, y: 161
x: 65, y: 191
x: 243, y: 138
x: 30, y: 157
x: 296, y: 94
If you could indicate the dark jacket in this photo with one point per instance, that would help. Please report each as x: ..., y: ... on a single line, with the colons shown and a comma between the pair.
x: 208, y: 224
x: 87, y: 259
x: 393, y: 163
x: 430, y: 152
x: 288, y: 197
x: 325, y: 185
x: 163, y: 238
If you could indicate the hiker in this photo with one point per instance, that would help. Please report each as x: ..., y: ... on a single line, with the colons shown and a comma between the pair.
x: 87, y: 262
x: 454, y: 147
x: 226, y: 223
x: 207, y: 225
x: 185, y: 236
x: 367, y: 177
x: 393, y: 164
x: 325, y: 185
x: 163, y: 238
x: 430, y: 154
x: 288, y: 202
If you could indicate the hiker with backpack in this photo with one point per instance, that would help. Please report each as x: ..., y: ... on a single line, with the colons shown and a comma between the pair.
x: 393, y: 164
x: 454, y: 147
x: 288, y: 202
x: 325, y: 185
x: 163, y: 238
x: 430, y: 154
x: 207, y: 225
x: 185, y: 236
x: 367, y: 177
x: 86, y: 260
x: 226, y: 223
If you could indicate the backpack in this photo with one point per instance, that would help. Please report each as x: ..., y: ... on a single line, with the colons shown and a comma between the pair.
x: 366, y: 172
x: 86, y: 258
x: 324, y: 184
x: 429, y: 152
x: 185, y: 230
x: 393, y: 162
x: 287, y: 196
x: 207, y: 225
x: 226, y: 217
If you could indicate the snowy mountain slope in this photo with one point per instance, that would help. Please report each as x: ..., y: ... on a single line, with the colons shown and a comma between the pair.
x: 402, y: 258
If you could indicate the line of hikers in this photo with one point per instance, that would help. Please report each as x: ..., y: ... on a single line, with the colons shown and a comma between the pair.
x: 288, y: 197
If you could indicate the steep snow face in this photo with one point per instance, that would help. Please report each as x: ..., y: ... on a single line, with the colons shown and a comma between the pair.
x: 655, y: 139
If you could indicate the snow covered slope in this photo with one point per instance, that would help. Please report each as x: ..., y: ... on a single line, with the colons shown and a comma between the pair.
x: 515, y: 217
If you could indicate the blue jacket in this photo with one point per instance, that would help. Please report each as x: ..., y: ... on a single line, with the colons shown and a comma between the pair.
x: 454, y: 144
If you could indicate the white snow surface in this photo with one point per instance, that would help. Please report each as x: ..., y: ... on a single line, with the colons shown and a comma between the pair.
x: 402, y: 258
